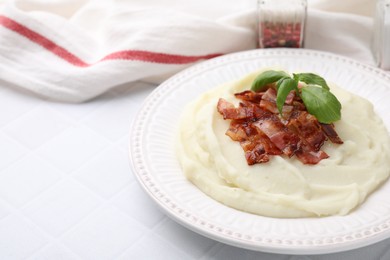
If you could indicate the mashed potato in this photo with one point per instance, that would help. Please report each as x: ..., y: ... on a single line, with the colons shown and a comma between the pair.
x: 284, y: 187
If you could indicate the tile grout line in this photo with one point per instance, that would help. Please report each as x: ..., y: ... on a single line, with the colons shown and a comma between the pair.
x: 58, y: 238
x: 64, y: 176
x: 165, y: 220
x: 34, y: 254
x: 24, y: 205
x: 216, y: 244
x: 26, y: 154
x: 121, y: 253
x: 18, y: 212
x: 70, y: 176
x: 103, y: 136
x: 150, y: 231
x: 102, y: 205
x: 47, y: 236
x: 15, y: 210
x: 21, y: 115
x: 30, y: 150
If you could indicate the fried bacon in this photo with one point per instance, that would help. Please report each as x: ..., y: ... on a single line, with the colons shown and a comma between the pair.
x: 249, y: 95
x: 311, y: 157
x: 331, y: 133
x: 279, y: 134
x: 307, y: 127
x: 255, y: 144
x: 245, y: 110
x: 262, y: 132
x: 268, y: 101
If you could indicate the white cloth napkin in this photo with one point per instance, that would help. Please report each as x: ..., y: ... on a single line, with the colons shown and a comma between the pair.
x: 74, y: 50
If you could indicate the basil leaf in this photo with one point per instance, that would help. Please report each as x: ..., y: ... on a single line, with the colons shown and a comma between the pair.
x: 284, y: 85
x: 311, y: 78
x: 321, y: 103
x: 266, y: 78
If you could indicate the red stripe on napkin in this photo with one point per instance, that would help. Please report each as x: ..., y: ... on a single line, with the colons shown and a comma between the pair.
x: 41, y: 40
x: 61, y: 52
x: 156, y: 57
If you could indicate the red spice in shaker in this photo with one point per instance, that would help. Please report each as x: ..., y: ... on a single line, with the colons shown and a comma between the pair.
x: 281, y: 23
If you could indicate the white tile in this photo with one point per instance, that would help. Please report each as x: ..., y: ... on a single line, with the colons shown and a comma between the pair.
x: 27, y: 179
x: 107, y: 173
x: 55, y: 251
x: 300, y: 257
x: 233, y: 253
x: 61, y: 207
x: 4, y: 210
x: 73, y: 147
x: 18, y: 239
x: 36, y: 127
x: 188, y: 241
x: 137, y: 90
x: 124, y: 143
x: 152, y: 246
x: 104, y: 235
x: 136, y: 203
x: 10, y: 151
x: 113, y: 119
x: 81, y: 110
x: 210, y: 254
x: 14, y: 104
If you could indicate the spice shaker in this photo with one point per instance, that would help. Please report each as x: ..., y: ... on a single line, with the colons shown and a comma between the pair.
x: 281, y: 23
x: 381, y: 39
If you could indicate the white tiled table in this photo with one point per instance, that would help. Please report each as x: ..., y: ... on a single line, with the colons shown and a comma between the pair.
x: 67, y: 191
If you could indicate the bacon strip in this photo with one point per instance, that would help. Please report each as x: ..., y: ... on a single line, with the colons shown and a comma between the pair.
x: 262, y: 133
x: 308, y: 128
x: 249, y: 95
x: 245, y: 110
x: 279, y: 134
x: 311, y: 157
x: 268, y: 102
x: 331, y: 133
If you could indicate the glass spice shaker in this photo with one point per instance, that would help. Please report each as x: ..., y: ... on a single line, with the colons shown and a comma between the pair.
x: 281, y: 23
x: 381, y: 37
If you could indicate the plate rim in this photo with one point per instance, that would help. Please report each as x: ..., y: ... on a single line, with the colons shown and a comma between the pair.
x: 210, y: 230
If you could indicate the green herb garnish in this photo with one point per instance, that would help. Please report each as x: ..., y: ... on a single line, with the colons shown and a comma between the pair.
x: 315, y: 93
x: 267, y: 77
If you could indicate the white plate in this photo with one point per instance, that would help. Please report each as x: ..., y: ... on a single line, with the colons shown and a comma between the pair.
x: 157, y: 169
